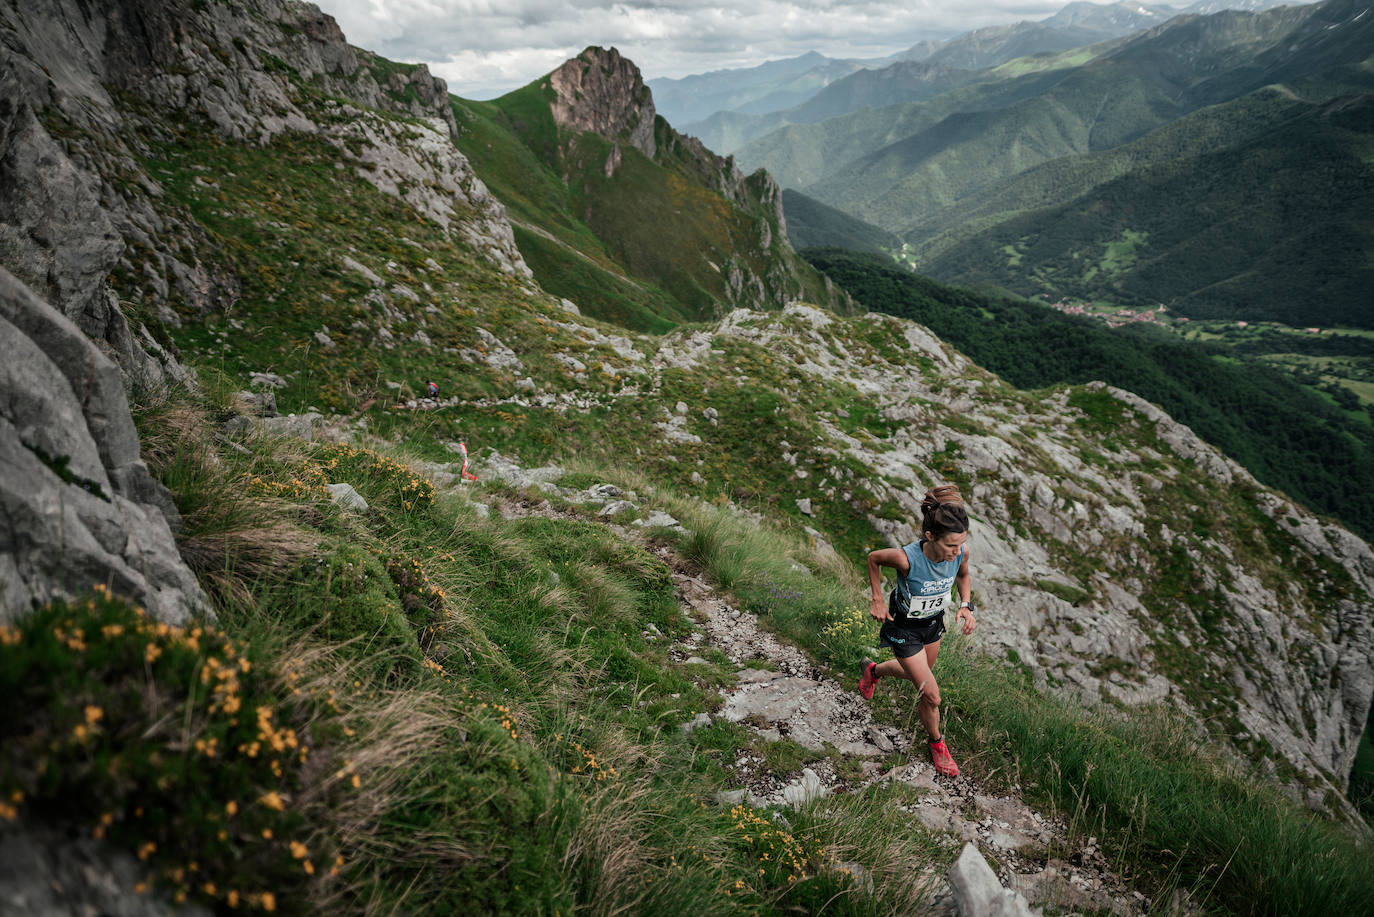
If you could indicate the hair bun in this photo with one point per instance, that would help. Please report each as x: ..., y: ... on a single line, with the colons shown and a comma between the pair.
x: 939, y: 494
x: 943, y: 510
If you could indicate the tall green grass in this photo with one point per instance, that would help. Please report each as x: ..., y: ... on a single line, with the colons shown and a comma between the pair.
x: 513, y: 721
x: 1175, y: 812
x: 492, y: 684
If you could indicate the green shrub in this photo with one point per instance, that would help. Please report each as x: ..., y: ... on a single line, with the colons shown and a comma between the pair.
x: 185, y: 746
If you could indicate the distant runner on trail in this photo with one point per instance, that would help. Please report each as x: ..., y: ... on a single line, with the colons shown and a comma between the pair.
x: 914, y: 616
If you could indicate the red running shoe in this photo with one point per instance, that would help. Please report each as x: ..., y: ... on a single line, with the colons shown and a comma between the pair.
x: 867, y: 680
x: 943, y: 761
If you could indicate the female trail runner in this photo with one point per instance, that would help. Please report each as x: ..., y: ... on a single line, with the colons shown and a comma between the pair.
x: 914, y: 620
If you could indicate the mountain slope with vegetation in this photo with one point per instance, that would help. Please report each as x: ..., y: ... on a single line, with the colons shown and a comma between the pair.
x: 1327, y: 459
x: 1237, y: 137
x: 1194, y: 233
x: 1100, y: 105
x: 637, y: 223
x: 412, y: 691
x: 811, y: 224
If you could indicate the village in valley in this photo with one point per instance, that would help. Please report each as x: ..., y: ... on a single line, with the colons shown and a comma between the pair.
x: 1115, y: 317
x: 1342, y: 367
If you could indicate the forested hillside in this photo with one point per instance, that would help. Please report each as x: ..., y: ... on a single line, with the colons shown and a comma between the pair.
x: 1286, y: 435
x: 1215, y: 164
x: 811, y: 224
x: 1270, y: 223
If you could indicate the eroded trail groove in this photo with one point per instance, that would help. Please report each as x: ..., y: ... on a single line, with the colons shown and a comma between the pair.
x: 781, y: 694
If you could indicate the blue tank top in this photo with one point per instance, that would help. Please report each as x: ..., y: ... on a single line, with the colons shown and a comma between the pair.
x: 927, y: 582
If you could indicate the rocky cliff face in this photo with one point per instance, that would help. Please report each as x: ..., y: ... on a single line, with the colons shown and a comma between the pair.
x: 602, y: 92
x: 79, y: 508
x: 85, y: 90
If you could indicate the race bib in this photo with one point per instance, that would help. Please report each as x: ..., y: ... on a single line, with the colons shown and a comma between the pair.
x: 926, y: 606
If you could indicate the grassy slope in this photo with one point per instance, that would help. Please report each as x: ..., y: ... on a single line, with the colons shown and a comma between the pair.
x: 647, y: 247
x: 512, y: 729
x: 575, y: 263
x: 510, y: 755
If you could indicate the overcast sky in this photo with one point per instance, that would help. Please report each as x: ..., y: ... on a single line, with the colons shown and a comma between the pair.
x: 485, y: 47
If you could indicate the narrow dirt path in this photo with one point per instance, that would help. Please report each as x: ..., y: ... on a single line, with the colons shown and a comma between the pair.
x: 781, y: 694
x: 793, y: 699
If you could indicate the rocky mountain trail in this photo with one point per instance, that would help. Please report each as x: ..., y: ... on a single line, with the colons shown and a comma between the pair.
x: 801, y: 702
x: 780, y: 694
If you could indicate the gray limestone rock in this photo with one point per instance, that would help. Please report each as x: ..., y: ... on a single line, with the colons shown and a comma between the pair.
x: 659, y: 519
x: 77, y: 503
x: 602, y: 92
x: 808, y: 789
x: 258, y: 404
x: 46, y: 873
x: 345, y: 497
x: 700, y: 721
x: 302, y: 426
x: 977, y: 891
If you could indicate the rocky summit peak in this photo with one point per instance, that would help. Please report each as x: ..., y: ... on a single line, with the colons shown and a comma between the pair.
x: 603, y: 92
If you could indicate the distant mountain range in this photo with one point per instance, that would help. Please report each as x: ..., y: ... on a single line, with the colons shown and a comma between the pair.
x: 1217, y: 164
x: 701, y: 104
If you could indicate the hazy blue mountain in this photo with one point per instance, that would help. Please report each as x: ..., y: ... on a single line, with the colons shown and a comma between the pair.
x: 1253, y: 206
x: 956, y: 145
x: 1207, y: 7
x: 926, y: 70
x: 772, y: 86
x: 1110, y: 18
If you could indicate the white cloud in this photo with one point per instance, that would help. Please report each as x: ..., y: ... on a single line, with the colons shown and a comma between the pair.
x: 482, y: 47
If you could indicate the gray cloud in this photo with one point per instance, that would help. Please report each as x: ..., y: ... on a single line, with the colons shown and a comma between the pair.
x: 484, y: 47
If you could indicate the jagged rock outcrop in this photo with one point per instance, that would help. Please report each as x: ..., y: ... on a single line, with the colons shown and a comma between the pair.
x: 78, y: 506
x: 602, y: 92
x: 729, y: 257
x: 86, y: 90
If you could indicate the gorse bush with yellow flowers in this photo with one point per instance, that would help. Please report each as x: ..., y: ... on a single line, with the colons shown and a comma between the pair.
x: 180, y: 744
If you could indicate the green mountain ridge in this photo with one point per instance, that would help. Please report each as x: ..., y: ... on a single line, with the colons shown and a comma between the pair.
x: 695, y: 236
x: 1103, y: 104
x: 1151, y: 132
x: 1204, y: 241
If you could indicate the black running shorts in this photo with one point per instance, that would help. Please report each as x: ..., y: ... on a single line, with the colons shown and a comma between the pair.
x: 909, y: 637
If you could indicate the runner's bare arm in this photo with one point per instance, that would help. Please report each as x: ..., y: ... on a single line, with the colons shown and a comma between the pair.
x: 884, y: 557
x: 963, y: 583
